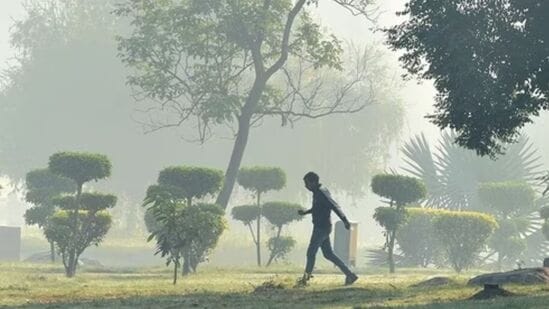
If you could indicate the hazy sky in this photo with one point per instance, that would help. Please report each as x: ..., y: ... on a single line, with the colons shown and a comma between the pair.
x: 418, y: 99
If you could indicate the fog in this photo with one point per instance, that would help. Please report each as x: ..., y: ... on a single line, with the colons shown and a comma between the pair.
x: 101, y: 116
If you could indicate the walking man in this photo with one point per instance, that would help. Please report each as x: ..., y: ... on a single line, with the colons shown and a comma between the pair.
x: 323, y: 205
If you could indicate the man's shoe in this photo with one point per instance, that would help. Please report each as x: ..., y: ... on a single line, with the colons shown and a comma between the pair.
x: 350, y: 279
x: 304, y: 281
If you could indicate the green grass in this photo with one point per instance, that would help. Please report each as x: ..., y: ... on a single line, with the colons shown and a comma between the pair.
x: 45, y: 286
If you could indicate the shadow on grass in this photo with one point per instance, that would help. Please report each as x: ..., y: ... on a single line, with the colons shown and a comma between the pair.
x: 516, y: 302
x: 283, y: 298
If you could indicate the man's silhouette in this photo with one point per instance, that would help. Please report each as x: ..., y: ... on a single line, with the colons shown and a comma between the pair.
x: 323, y: 205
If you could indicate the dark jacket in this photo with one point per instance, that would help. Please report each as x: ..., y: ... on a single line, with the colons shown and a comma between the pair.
x: 323, y: 204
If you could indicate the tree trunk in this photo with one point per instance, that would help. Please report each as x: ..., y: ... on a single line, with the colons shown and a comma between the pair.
x: 186, y: 262
x: 235, y: 161
x: 258, y: 244
x: 391, y: 252
x: 70, y: 268
x: 275, y: 250
x: 52, y: 251
x: 175, y: 266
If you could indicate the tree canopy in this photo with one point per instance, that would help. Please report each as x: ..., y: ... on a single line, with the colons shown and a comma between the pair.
x: 488, y: 60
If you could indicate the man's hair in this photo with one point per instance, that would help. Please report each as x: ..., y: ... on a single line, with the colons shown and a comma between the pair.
x: 311, y: 177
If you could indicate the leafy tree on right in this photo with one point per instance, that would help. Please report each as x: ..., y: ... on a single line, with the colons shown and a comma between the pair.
x: 488, y: 61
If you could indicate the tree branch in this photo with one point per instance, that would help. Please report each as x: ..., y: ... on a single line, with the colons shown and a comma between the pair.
x: 285, y: 45
x: 361, y: 7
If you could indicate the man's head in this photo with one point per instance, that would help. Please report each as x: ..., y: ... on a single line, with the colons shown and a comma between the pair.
x: 312, y: 181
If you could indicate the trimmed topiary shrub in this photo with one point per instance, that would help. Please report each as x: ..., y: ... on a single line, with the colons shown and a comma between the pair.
x: 417, y: 238
x: 280, y: 214
x: 260, y: 180
x: 82, y: 219
x: 511, y: 202
x: 43, y: 186
x: 183, y: 230
x: 463, y: 235
x: 400, y: 191
x: 191, y: 182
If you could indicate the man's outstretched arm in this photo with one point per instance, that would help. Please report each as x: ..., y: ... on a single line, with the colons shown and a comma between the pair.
x: 305, y: 212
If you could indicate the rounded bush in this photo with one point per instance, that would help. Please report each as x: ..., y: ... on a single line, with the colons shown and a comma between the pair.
x: 505, y: 198
x: 262, y: 179
x: 191, y: 182
x: 95, y: 202
x: 61, y: 229
x: 81, y: 167
x: 281, y: 213
x: 390, y: 218
x: 400, y: 189
x: 245, y: 213
x: 65, y: 202
x: 280, y: 247
x: 417, y: 239
x: 42, y: 185
x: 463, y: 235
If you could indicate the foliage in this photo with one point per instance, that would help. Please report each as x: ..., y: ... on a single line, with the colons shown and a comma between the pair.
x: 507, y: 199
x: 280, y: 214
x: 183, y: 230
x: 204, y: 224
x: 399, y: 189
x: 74, y: 232
x: 245, y: 213
x: 463, y: 235
x: 279, y: 247
x: 507, y: 242
x: 453, y: 176
x: 191, y: 182
x: 417, y: 238
x: 81, y: 167
x: 42, y: 187
x: 261, y: 179
x: 488, y: 61
x: 390, y: 218
x: 82, y: 219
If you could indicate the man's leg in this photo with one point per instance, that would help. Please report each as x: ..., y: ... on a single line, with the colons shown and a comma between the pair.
x: 317, y: 238
x: 332, y: 257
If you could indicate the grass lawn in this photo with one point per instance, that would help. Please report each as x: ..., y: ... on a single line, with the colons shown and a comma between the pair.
x: 42, y: 286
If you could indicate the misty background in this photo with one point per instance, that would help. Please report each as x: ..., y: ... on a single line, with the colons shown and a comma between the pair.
x: 76, y: 98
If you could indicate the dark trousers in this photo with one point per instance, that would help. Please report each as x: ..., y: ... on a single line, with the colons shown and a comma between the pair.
x: 321, y: 239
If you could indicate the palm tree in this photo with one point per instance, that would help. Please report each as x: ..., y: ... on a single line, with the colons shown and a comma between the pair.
x: 453, y: 174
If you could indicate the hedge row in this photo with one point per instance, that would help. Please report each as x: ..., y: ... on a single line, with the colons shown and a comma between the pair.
x: 433, y: 236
